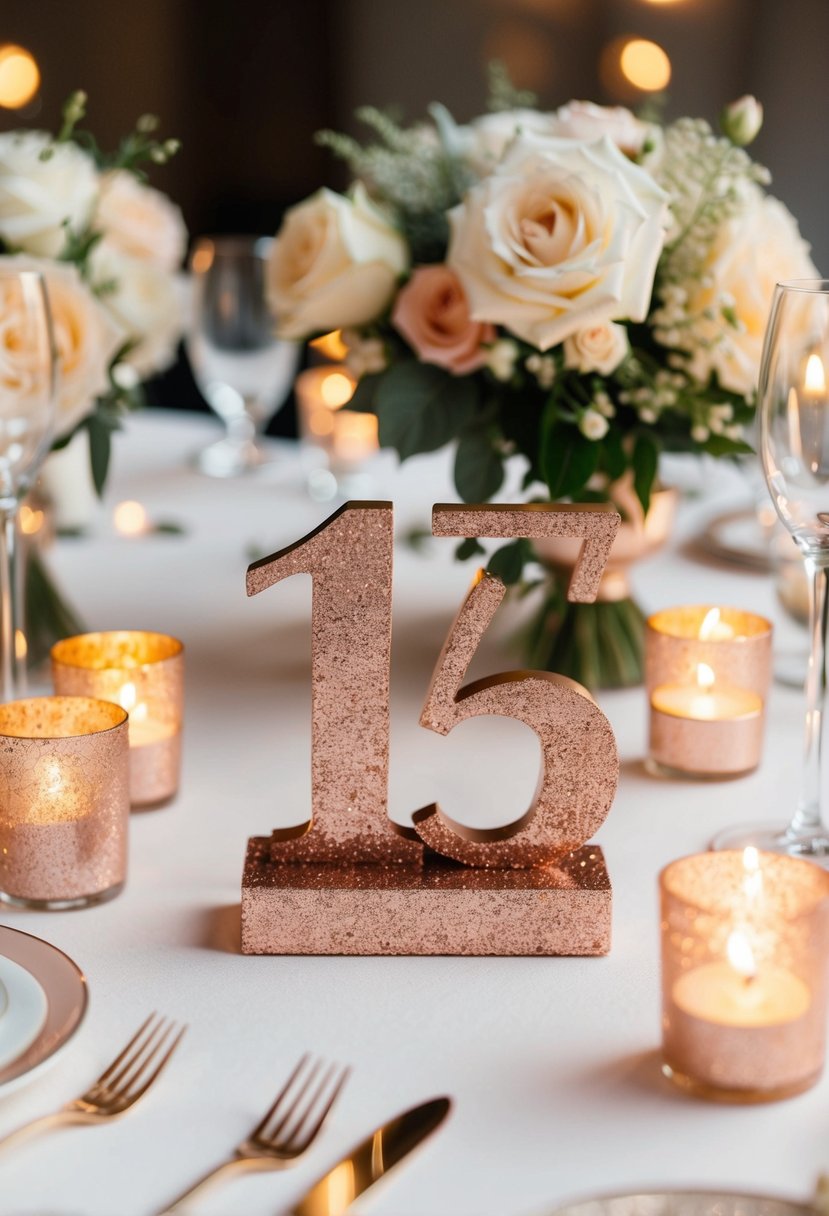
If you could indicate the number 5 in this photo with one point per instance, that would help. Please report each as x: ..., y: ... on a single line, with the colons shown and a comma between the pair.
x: 580, y: 764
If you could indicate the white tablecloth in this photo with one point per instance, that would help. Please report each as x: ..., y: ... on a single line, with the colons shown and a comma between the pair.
x: 549, y: 1061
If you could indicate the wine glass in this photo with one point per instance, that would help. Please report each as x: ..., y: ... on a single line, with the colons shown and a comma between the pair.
x: 793, y: 403
x: 243, y: 370
x: 27, y: 414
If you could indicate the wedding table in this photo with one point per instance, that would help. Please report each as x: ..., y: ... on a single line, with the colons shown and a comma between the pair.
x: 550, y: 1062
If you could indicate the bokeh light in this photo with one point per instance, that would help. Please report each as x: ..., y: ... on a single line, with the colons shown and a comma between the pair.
x: 19, y: 76
x: 645, y: 65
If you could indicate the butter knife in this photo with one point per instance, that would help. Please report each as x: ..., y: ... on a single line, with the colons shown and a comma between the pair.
x: 336, y: 1191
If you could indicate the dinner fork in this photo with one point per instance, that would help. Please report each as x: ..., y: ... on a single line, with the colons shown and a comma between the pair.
x: 286, y: 1131
x: 119, y: 1086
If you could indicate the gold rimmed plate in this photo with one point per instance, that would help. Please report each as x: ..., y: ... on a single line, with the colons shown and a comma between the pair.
x: 64, y: 986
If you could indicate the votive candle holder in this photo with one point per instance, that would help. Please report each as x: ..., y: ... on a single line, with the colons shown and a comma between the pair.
x: 745, y: 937
x: 64, y: 801
x: 707, y: 676
x: 143, y: 672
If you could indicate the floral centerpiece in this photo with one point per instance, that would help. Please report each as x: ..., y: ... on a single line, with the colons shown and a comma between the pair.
x: 108, y: 246
x: 582, y: 288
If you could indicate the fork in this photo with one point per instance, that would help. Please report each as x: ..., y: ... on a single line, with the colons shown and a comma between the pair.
x: 119, y: 1086
x: 286, y: 1131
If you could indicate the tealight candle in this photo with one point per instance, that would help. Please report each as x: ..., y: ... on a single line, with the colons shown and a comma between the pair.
x: 144, y: 674
x: 744, y: 944
x: 707, y: 672
x: 64, y: 769
x: 344, y: 437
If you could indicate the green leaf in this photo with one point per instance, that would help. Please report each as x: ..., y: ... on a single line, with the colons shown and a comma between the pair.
x: 421, y: 408
x: 100, y: 446
x: 479, y: 468
x: 614, y: 460
x: 364, y: 400
x: 508, y: 561
x: 568, y: 460
x: 719, y: 445
x: 645, y: 460
x: 468, y: 548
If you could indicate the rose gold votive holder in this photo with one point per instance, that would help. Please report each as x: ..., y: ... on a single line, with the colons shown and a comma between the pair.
x: 745, y: 938
x: 64, y: 801
x: 707, y: 675
x: 144, y: 674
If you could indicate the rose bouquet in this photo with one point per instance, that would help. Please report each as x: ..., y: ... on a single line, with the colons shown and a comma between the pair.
x: 108, y: 246
x: 581, y: 289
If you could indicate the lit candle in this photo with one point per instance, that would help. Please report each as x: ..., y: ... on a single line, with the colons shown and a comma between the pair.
x: 345, y: 438
x: 707, y: 671
x: 143, y: 673
x: 744, y: 945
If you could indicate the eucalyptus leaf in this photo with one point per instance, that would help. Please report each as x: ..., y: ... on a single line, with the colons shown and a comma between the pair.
x: 420, y: 408
x: 645, y: 460
x: 100, y: 448
x: 507, y: 563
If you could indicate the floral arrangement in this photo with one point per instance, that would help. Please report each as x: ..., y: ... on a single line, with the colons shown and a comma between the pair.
x: 108, y: 246
x: 582, y: 288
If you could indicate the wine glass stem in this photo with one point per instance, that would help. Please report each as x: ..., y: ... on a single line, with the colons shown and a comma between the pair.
x: 808, y: 815
x: 12, y: 665
x: 241, y: 429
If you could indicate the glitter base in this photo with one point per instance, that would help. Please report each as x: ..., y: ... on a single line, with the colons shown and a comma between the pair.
x: 443, y: 908
x: 738, y: 1097
x: 62, y: 905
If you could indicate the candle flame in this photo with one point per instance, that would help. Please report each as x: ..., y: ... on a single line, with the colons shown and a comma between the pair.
x: 705, y: 676
x: 814, y: 380
x: 21, y: 646
x: 741, y: 955
x: 753, y: 880
x: 336, y: 389
x: 331, y: 346
x: 709, y: 624
x: 52, y: 777
x: 127, y: 696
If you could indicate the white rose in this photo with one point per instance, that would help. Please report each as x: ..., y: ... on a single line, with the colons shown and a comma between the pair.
x: 593, y: 425
x: 143, y: 300
x: 599, y: 348
x: 587, y: 121
x: 742, y: 120
x: 335, y: 262
x: 562, y: 236
x: 86, y: 338
x: 485, y: 140
x: 38, y: 197
x: 140, y: 221
x: 752, y: 252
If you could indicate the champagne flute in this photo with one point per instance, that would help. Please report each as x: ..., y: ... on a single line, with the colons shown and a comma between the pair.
x: 793, y: 402
x: 27, y: 414
x: 243, y: 370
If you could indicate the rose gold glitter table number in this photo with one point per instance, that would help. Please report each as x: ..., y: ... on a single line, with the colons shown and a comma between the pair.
x: 351, y: 882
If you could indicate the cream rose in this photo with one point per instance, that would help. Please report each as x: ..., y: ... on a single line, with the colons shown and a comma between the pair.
x: 38, y: 197
x: 586, y: 121
x: 140, y: 221
x: 334, y: 263
x: 432, y: 314
x: 143, y: 301
x: 485, y: 140
x: 751, y: 253
x: 86, y: 338
x: 598, y: 348
x: 562, y: 236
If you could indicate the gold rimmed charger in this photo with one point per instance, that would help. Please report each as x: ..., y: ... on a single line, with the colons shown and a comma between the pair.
x: 65, y: 987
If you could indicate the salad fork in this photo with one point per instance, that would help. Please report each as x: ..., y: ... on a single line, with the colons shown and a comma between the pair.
x: 286, y: 1131
x: 119, y: 1086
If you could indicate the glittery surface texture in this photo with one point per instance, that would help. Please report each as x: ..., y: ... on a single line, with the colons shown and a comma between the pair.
x: 144, y: 673
x: 674, y: 649
x: 350, y: 559
x: 64, y: 798
x: 580, y: 762
x: 704, y: 898
x: 707, y: 749
x: 442, y: 908
x: 595, y: 523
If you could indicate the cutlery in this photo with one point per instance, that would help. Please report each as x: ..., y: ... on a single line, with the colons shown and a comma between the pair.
x: 285, y: 1131
x: 119, y: 1086
x: 334, y: 1193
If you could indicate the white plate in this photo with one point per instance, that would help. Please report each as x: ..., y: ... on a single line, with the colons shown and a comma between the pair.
x: 25, y: 1010
x: 66, y: 997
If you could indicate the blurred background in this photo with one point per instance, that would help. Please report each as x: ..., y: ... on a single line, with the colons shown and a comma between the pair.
x: 245, y: 85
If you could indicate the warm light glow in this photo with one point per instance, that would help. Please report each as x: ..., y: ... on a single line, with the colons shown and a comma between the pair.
x: 645, y: 65
x: 663, y: 1
x: 740, y: 954
x: 321, y: 423
x: 753, y: 881
x: 709, y: 624
x: 330, y: 346
x: 21, y: 646
x: 336, y: 389
x: 19, y: 77
x: 705, y: 676
x: 814, y: 382
x: 130, y: 519
x: 51, y: 775
x: 127, y: 696
x: 31, y: 521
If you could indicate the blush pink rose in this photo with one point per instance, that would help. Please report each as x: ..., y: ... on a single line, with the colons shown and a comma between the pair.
x: 432, y: 314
